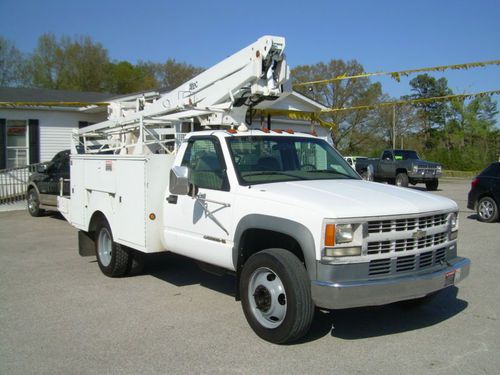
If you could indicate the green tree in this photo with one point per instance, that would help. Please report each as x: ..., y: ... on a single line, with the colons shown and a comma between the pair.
x: 71, y: 64
x: 123, y: 78
x: 434, y: 113
x: 172, y: 74
x: 12, y: 65
x: 351, y: 129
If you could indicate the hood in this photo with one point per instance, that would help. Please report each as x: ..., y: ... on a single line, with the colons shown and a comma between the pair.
x: 352, y: 198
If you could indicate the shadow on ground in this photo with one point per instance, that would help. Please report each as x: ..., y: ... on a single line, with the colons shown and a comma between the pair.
x: 366, y: 322
x: 347, y: 324
x: 181, y: 271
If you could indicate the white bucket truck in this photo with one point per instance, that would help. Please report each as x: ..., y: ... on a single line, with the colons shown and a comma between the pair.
x: 281, y: 210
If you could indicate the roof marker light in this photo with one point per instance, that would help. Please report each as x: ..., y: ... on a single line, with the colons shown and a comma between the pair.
x: 279, y: 131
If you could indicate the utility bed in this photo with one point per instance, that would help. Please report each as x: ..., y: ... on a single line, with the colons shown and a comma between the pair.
x: 131, y: 187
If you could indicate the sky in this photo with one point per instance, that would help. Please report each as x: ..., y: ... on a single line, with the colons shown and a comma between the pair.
x: 382, y: 35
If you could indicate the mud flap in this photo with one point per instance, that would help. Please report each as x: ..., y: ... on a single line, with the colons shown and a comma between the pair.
x: 86, y: 244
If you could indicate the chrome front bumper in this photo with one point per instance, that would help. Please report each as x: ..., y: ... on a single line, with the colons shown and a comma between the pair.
x: 332, y: 295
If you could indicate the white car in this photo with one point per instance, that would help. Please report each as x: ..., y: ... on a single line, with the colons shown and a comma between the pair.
x: 352, y: 160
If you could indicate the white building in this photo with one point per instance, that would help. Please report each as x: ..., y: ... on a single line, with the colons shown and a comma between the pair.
x: 33, y: 129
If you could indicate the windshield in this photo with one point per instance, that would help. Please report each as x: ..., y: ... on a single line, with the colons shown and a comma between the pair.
x: 266, y: 159
x: 405, y: 154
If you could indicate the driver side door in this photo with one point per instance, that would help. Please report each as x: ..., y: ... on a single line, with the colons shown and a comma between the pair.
x: 200, y: 224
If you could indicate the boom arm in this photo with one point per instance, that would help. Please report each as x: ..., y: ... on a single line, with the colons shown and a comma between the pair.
x: 220, y: 95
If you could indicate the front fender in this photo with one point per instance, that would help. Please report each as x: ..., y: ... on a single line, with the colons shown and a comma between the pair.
x: 296, y: 230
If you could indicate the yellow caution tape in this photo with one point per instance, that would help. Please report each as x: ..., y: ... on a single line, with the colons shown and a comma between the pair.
x: 415, y: 101
x: 315, y: 116
x: 52, y: 104
x: 397, y: 75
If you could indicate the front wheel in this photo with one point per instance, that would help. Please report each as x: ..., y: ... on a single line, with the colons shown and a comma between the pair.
x: 112, y: 257
x: 276, y: 296
x: 432, y: 185
x: 487, y: 210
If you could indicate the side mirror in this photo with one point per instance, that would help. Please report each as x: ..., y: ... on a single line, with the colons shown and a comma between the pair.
x: 41, y: 168
x: 179, y: 180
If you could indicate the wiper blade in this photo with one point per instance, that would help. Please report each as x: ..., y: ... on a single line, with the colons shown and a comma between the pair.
x: 261, y: 173
x: 331, y: 171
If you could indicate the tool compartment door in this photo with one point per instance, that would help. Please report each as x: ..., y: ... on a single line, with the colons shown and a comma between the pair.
x: 129, y: 228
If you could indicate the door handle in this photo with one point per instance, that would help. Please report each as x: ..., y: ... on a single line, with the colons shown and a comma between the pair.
x: 172, y: 199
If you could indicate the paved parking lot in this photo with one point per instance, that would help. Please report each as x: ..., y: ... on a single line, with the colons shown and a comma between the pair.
x: 59, y: 314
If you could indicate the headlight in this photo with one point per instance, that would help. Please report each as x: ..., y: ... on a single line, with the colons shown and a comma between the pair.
x: 415, y: 168
x: 336, y: 236
x: 343, y: 233
x: 439, y: 169
x: 453, y: 222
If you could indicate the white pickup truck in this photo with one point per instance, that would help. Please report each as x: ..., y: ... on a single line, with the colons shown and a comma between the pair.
x: 281, y: 210
x: 285, y: 212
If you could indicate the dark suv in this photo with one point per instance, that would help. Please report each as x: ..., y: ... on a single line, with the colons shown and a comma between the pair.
x: 44, y: 184
x: 484, y: 195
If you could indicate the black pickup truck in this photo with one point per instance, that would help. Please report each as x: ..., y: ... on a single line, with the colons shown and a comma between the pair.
x: 45, y: 184
x: 400, y: 167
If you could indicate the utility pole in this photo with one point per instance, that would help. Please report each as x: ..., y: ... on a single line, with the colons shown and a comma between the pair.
x: 394, y: 126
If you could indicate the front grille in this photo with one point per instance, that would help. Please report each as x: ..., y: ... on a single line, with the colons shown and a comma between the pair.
x: 406, y: 244
x: 406, y: 224
x: 406, y: 263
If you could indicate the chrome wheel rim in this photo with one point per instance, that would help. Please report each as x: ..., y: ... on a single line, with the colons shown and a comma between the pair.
x: 104, y: 247
x: 32, y: 201
x: 267, y: 297
x: 486, y: 209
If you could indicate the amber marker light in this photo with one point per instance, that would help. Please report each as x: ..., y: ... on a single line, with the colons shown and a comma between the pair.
x: 152, y: 216
x: 330, y: 235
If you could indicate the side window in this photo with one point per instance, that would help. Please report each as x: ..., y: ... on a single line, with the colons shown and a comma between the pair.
x: 387, y: 155
x: 60, y: 162
x: 206, y: 164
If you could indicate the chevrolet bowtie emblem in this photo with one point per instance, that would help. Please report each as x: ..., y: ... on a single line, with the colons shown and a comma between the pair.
x: 419, y: 234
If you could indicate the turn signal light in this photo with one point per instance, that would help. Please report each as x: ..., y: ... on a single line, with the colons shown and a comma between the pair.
x: 330, y: 235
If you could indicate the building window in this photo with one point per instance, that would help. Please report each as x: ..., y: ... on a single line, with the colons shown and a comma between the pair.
x: 17, y: 143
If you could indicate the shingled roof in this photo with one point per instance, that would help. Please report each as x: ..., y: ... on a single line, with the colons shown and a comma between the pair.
x: 18, y: 94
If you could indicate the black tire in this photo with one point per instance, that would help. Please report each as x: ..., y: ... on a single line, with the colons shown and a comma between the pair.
x: 33, y: 200
x: 276, y: 296
x: 487, y: 210
x: 112, y: 257
x: 432, y: 185
x: 402, y: 180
